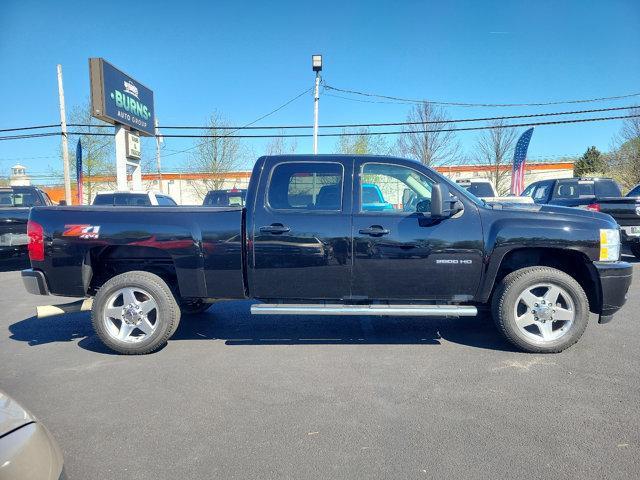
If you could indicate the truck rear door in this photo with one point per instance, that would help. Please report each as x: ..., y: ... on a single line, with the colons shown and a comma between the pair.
x: 299, y: 242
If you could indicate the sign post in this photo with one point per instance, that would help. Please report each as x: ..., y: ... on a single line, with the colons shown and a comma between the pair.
x: 126, y: 103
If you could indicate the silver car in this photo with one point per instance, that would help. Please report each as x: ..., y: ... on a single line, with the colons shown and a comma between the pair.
x: 27, y: 449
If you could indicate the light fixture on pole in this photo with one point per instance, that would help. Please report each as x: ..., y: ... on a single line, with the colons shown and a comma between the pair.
x: 316, y: 65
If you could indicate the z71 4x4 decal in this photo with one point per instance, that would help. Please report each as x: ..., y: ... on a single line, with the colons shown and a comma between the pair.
x: 87, y: 232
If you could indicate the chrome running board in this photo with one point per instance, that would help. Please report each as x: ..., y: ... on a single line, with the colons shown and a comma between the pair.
x: 380, y: 310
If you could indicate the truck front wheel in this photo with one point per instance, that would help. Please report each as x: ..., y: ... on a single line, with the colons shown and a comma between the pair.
x: 540, y: 309
x: 135, y: 313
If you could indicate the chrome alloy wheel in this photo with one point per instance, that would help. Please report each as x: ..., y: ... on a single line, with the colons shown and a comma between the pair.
x: 131, y: 315
x: 544, y: 312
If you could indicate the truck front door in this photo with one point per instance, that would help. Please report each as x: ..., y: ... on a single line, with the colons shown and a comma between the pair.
x: 400, y: 254
x: 300, y: 243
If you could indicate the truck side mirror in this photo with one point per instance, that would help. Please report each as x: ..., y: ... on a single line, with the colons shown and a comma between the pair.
x: 62, y: 203
x: 443, y: 204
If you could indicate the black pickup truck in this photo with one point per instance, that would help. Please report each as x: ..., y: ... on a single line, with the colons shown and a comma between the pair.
x: 596, y: 194
x: 15, y: 203
x: 306, y: 243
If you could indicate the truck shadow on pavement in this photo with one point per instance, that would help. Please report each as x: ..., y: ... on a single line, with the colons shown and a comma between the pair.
x: 232, y: 323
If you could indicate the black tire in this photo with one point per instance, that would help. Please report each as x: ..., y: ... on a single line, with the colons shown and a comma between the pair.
x: 504, y: 305
x: 167, y: 313
x: 635, y: 249
x: 194, y: 306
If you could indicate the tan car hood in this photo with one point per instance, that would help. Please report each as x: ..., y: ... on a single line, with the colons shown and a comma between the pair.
x: 12, y: 415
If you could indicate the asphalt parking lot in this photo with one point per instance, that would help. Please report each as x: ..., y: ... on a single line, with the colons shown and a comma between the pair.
x: 236, y: 396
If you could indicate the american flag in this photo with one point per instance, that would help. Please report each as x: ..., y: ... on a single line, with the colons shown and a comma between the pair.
x: 79, y: 173
x: 519, y: 161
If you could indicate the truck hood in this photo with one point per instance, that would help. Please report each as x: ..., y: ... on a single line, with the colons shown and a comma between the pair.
x: 12, y: 415
x: 551, y: 210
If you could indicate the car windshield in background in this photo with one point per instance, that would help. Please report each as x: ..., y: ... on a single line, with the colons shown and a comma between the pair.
x: 635, y: 192
x: 480, y: 189
x: 16, y: 198
x: 607, y: 188
x: 225, y: 198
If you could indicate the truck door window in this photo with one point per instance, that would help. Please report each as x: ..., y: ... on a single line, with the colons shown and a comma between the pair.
x: 542, y: 192
x: 392, y: 188
x: 528, y: 192
x: 306, y: 186
x: 567, y: 190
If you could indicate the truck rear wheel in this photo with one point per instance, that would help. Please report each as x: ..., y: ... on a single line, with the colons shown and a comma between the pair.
x: 540, y: 309
x: 135, y: 313
x: 635, y: 249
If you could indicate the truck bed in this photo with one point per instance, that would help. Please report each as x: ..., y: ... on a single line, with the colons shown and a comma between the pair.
x: 204, y: 245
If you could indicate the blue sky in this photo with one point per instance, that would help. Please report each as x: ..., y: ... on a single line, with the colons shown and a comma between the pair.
x: 246, y: 58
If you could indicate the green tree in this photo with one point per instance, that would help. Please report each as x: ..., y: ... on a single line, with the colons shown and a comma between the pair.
x: 591, y: 162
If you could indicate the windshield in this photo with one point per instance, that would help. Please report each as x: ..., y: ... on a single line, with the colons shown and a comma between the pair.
x: 17, y: 198
x: 635, y: 192
x: 480, y: 189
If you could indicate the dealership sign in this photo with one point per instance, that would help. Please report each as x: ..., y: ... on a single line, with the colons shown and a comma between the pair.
x: 119, y: 99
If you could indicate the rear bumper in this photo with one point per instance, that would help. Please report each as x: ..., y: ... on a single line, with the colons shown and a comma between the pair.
x: 35, y: 282
x: 615, y: 280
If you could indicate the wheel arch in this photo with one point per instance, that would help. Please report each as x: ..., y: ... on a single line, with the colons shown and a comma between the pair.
x: 572, y: 262
x: 104, y: 263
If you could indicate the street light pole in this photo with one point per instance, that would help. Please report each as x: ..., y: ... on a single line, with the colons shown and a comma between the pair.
x: 316, y: 64
x: 158, y: 140
x: 65, y: 146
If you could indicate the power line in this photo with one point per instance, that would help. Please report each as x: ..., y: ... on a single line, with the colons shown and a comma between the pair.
x: 396, y: 132
x: 463, y: 104
x: 30, y: 135
x: 357, y: 125
x: 35, y: 127
x: 248, y: 124
x: 348, y: 134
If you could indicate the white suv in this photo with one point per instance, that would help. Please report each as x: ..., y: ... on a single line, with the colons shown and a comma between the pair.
x: 133, y: 199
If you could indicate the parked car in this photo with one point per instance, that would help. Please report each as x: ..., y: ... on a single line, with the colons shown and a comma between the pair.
x: 15, y: 203
x: 28, y: 451
x: 225, y: 198
x: 597, y: 194
x: 133, y: 199
x: 540, y: 268
x: 485, y: 190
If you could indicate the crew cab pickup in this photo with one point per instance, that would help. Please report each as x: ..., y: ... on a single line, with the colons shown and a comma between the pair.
x: 15, y: 203
x: 308, y: 243
x: 597, y: 194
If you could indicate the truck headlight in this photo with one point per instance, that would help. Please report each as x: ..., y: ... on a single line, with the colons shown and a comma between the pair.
x: 609, y: 245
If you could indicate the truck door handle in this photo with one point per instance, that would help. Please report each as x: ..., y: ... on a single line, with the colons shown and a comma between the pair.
x: 275, y: 228
x: 374, y: 231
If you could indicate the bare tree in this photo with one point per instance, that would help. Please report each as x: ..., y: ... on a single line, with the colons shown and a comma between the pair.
x: 624, y: 159
x: 214, y: 157
x: 361, y: 142
x: 495, y: 148
x: 98, y: 160
x: 435, y: 146
x: 281, y: 146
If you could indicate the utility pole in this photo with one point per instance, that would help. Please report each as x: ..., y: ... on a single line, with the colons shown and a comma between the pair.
x: 158, y: 141
x: 65, y: 146
x: 316, y: 64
